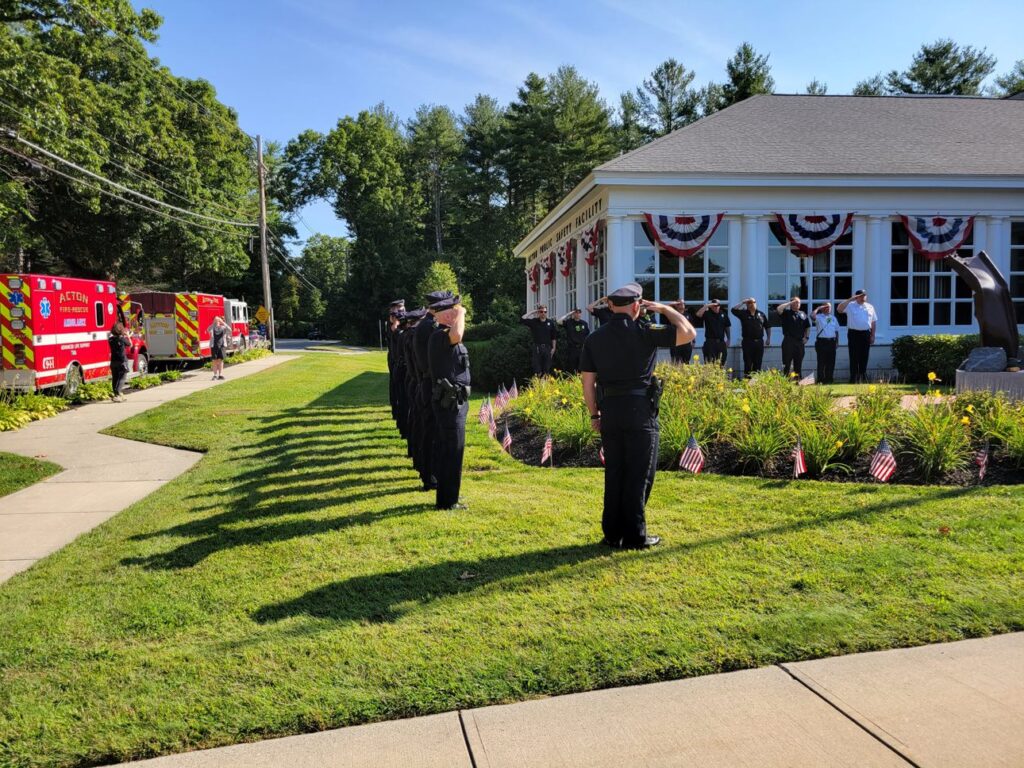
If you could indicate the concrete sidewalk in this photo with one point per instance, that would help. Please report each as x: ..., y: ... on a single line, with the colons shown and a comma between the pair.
x: 954, y: 704
x: 95, y: 484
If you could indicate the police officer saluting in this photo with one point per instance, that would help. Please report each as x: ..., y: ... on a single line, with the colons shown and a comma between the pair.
x: 716, y: 332
x: 682, y: 353
x: 545, y: 339
x: 622, y: 394
x: 755, y: 328
x: 826, y: 339
x: 395, y: 310
x: 426, y: 446
x: 796, y: 327
x: 576, y: 332
x: 449, y: 372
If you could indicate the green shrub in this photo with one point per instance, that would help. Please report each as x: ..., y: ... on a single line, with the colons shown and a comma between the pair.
x: 12, y: 418
x: 487, y: 331
x: 917, y: 356
x: 167, y: 376
x: 823, y: 449
x: 93, y: 390
x: 146, y: 382
x: 40, y: 406
x: 500, y: 360
x: 935, y: 439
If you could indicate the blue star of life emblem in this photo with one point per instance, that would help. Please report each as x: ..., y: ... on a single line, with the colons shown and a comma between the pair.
x: 45, y: 308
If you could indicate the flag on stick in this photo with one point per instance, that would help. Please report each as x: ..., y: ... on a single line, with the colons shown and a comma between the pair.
x: 514, y: 392
x: 981, y: 459
x: 501, y: 399
x: 485, y: 410
x: 692, y: 458
x: 506, y: 441
x: 600, y: 455
x: 548, y: 453
x: 492, y: 425
x: 883, y: 463
x: 799, y: 462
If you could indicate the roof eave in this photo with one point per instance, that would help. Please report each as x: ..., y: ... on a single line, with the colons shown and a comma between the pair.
x: 709, y: 179
x: 579, y: 192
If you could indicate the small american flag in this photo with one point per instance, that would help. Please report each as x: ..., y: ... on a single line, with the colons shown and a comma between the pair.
x: 600, y: 454
x: 501, y: 399
x: 514, y: 392
x: 506, y: 441
x: 492, y: 426
x: 883, y: 463
x: 799, y: 462
x: 981, y: 459
x: 692, y: 458
x: 548, y: 453
x: 485, y: 411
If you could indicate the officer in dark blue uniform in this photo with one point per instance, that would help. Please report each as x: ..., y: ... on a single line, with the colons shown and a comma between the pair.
x: 756, y: 334
x: 545, y: 339
x: 401, y: 409
x: 449, y: 374
x: 390, y: 332
x: 683, y: 353
x: 427, y: 446
x: 576, y: 332
x: 796, y: 327
x: 412, y: 376
x: 623, y: 395
x: 599, y: 310
x: 716, y: 332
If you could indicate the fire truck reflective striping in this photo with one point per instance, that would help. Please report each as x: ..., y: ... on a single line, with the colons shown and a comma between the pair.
x: 17, y: 348
x: 186, y: 313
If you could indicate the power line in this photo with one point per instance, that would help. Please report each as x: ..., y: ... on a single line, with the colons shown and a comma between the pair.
x: 107, y: 160
x: 33, y: 162
x: 288, y: 264
x: 123, y: 188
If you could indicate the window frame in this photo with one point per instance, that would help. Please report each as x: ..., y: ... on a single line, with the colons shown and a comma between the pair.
x: 1015, y: 273
x: 917, y: 295
x: 716, y: 251
x: 807, y: 278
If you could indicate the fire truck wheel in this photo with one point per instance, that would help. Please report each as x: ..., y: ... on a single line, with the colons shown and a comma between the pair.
x: 72, y: 381
x: 143, y: 365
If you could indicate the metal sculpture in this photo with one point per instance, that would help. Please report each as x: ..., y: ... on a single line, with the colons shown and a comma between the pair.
x: 993, y: 305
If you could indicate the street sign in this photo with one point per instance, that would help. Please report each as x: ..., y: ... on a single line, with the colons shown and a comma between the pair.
x: 262, y: 315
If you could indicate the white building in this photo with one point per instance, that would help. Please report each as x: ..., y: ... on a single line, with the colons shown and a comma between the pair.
x: 868, y: 160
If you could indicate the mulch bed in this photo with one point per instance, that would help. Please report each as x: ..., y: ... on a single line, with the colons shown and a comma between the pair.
x: 723, y: 459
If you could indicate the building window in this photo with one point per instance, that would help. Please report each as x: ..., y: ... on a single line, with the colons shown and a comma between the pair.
x: 1017, y: 268
x: 570, y: 284
x: 824, y: 277
x: 696, y: 279
x: 597, y: 273
x: 925, y: 292
x: 100, y: 317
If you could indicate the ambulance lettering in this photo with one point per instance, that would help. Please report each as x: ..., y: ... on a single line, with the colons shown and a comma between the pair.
x: 48, y: 364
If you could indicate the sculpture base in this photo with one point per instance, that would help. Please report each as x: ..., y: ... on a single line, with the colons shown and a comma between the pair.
x: 978, y: 381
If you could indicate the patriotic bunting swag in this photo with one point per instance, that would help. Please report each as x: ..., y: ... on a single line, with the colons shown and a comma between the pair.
x: 683, y: 235
x: 548, y: 265
x: 588, y: 242
x: 533, y: 275
x: 937, y: 236
x: 815, y: 233
x: 565, y: 258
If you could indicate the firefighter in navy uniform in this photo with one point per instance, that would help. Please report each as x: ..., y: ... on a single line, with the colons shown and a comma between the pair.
x: 623, y: 396
x: 757, y: 334
x: 545, y: 339
x: 390, y: 331
x: 449, y: 374
x: 576, y: 332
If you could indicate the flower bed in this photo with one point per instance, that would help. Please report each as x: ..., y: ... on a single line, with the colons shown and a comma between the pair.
x: 750, y: 427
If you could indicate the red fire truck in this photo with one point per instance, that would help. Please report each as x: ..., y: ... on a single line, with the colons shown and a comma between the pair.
x: 54, y: 331
x: 178, y: 324
x: 237, y: 316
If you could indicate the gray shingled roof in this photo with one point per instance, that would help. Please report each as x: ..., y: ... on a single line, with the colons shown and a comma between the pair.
x: 839, y: 135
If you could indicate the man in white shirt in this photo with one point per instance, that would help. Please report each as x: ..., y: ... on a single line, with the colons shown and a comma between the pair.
x: 860, y: 333
x: 826, y: 341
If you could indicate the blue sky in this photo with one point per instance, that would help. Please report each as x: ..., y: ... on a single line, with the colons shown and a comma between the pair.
x: 288, y: 65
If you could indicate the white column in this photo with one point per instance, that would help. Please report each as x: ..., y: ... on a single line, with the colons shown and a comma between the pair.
x: 998, y: 243
x: 981, y: 235
x: 735, y: 265
x: 750, y: 277
x: 558, y: 308
x: 582, y: 298
x: 877, y: 268
x: 620, y: 252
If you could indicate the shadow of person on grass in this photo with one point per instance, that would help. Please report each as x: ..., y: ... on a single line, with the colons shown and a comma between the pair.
x: 379, y: 597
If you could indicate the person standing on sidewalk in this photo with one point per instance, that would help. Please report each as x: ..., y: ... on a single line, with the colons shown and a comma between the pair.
x: 219, y: 335
x: 796, y: 328
x: 757, y: 334
x: 119, y: 346
x: 826, y: 340
x: 861, y: 321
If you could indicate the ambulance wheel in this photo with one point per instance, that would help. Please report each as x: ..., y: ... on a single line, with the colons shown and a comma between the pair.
x: 73, y: 381
x: 143, y: 365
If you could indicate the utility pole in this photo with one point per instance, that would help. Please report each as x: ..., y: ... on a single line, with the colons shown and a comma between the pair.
x: 261, y: 174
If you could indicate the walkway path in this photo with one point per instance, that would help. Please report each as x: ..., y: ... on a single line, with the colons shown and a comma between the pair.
x: 102, y: 474
x: 953, y: 704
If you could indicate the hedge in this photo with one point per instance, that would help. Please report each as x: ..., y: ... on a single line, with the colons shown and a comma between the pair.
x: 500, y: 359
x: 917, y: 356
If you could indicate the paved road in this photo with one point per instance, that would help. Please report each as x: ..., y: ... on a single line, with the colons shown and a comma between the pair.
x: 323, y: 345
x: 953, y: 704
x: 93, y: 487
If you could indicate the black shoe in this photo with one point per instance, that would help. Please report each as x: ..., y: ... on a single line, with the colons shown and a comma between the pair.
x: 617, y: 544
x: 429, y: 487
x: 650, y: 541
x: 457, y: 506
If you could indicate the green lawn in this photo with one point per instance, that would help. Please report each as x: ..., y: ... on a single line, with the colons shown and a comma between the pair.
x: 841, y: 390
x: 297, y: 580
x: 17, y: 472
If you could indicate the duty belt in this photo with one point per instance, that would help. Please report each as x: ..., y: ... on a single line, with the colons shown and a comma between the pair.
x: 624, y: 391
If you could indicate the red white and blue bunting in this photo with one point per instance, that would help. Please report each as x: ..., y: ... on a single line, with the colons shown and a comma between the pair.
x: 815, y: 233
x: 588, y: 243
x: 683, y: 235
x: 533, y: 276
x: 566, y: 257
x: 548, y: 265
x: 937, y: 236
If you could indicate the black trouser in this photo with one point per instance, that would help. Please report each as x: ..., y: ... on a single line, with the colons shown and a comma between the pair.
x: 629, y: 436
x: 682, y: 353
x: 393, y: 393
x: 573, y: 351
x: 451, y: 444
x: 826, y: 351
x: 412, y: 418
x: 715, y: 351
x: 401, y: 402
x: 118, y: 374
x: 860, y: 344
x: 426, y: 436
x: 753, y: 354
x: 793, y: 355
x: 541, y: 359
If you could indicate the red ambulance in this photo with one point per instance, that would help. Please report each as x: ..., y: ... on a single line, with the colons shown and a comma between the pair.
x: 54, y: 331
x: 177, y: 325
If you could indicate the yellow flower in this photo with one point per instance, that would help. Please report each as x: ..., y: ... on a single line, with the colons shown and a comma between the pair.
x: 970, y: 409
x: 564, y: 401
x: 839, y: 443
x: 938, y: 395
x: 745, y: 407
x: 872, y: 388
x: 932, y: 376
x: 528, y: 410
x: 696, y: 358
x: 728, y: 370
x: 558, y: 391
x: 965, y: 421
x: 792, y: 374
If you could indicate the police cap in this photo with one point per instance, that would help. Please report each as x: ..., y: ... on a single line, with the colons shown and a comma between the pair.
x: 446, y: 303
x: 627, y: 294
x: 414, y: 315
x: 435, y: 296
